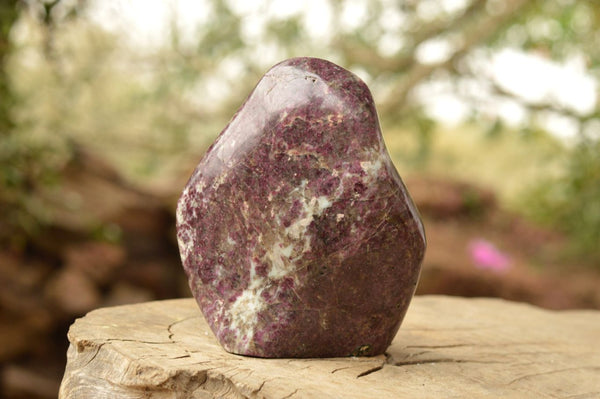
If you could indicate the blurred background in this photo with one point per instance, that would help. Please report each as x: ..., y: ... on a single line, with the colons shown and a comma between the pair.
x: 489, y: 109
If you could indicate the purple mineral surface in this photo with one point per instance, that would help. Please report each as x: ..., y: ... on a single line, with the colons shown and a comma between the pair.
x: 296, y: 232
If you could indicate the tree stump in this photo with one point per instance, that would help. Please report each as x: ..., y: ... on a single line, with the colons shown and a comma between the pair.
x: 446, y: 347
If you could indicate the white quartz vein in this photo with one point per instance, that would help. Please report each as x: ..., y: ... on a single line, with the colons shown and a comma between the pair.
x: 287, y: 248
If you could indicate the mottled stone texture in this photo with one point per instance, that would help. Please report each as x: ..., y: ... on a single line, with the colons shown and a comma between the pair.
x: 296, y: 232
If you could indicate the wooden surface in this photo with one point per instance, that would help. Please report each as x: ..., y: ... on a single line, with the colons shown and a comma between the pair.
x: 447, y: 347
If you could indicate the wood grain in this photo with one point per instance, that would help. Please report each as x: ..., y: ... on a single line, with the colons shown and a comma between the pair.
x: 447, y: 347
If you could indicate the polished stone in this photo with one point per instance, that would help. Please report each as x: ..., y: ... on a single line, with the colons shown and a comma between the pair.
x: 295, y: 230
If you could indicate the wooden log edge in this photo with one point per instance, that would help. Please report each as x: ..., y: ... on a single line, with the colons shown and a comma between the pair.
x: 446, y: 347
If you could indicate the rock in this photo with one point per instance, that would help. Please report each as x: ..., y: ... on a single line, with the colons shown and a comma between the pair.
x: 20, y: 382
x: 295, y: 230
x: 442, y: 198
x: 122, y: 293
x: 98, y: 260
x: 73, y: 292
x: 15, y: 336
x: 447, y: 347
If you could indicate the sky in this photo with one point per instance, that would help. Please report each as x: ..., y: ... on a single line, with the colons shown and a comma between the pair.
x: 531, y: 77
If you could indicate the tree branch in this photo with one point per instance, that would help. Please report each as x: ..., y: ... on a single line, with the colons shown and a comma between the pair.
x: 481, y: 28
x: 437, y: 28
x: 367, y: 56
x: 581, y: 119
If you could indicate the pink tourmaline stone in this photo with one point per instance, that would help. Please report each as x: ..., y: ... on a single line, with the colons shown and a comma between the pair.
x: 295, y: 230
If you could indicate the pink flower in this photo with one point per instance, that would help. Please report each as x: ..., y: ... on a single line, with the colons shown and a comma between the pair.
x: 485, y: 255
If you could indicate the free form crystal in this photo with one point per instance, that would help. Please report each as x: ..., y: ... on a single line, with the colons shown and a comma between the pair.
x: 295, y: 230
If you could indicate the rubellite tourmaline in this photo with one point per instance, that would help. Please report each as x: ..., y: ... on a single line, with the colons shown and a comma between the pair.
x: 296, y: 232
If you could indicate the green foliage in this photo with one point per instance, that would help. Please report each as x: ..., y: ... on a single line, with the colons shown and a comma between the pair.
x: 25, y: 166
x: 571, y: 201
x: 149, y: 111
x: 222, y: 34
x: 506, y: 162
